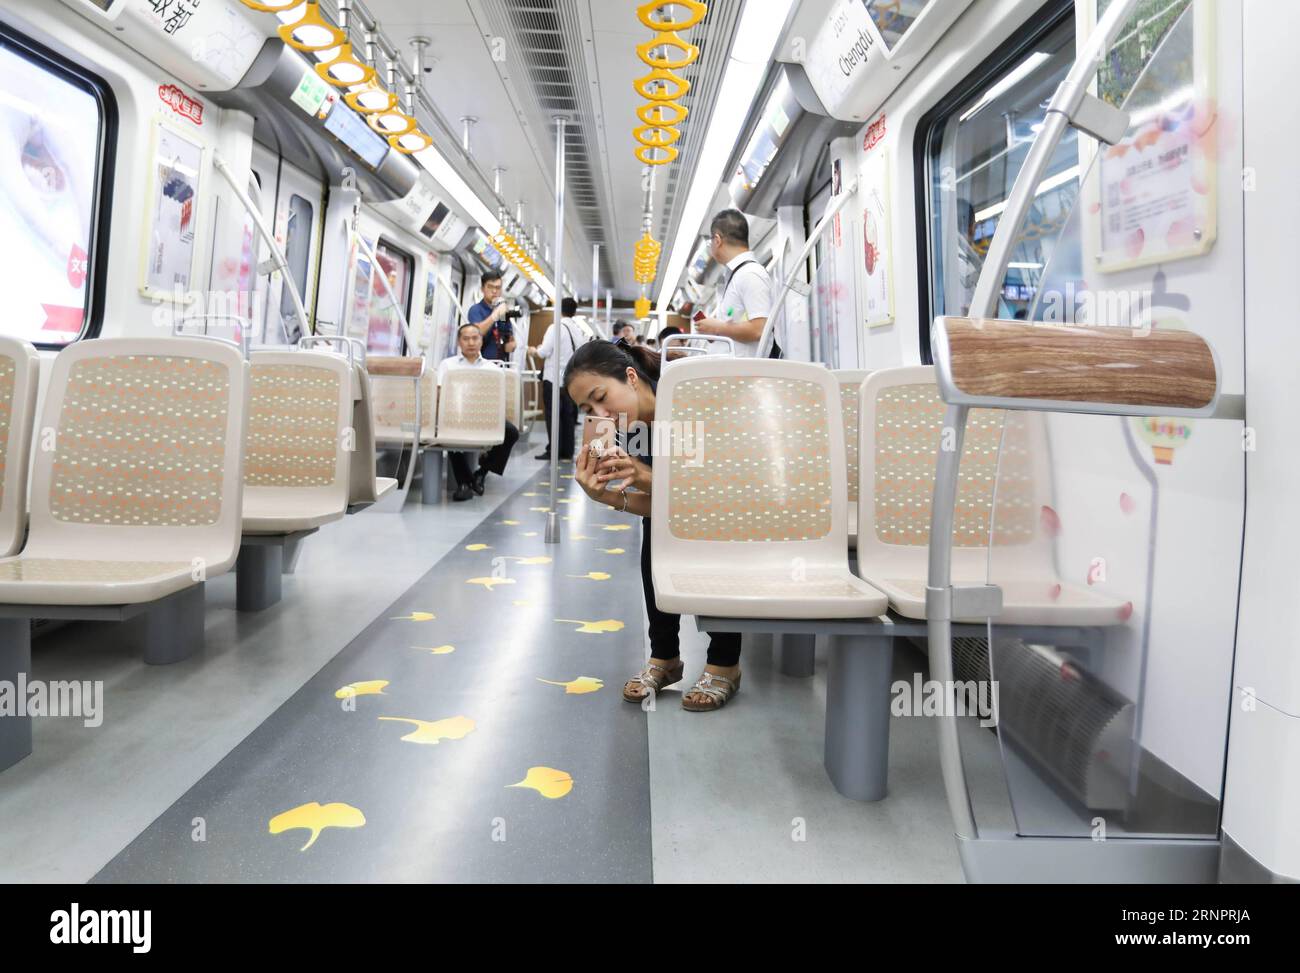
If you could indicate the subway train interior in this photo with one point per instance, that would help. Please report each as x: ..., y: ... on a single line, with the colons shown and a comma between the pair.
x: 956, y: 552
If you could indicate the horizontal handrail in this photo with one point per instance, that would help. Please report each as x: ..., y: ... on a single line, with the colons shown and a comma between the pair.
x: 680, y: 346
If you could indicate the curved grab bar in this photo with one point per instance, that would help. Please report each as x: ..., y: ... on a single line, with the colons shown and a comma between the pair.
x: 245, y: 330
x: 308, y: 340
x: 686, y: 350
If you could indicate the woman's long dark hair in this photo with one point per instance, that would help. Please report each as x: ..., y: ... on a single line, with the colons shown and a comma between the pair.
x: 612, y: 359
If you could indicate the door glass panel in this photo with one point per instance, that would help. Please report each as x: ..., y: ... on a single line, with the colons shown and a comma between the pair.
x: 297, y: 252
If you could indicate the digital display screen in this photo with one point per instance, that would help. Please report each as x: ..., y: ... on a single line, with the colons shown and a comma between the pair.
x: 894, y: 18
x: 435, y: 219
x: 347, y: 126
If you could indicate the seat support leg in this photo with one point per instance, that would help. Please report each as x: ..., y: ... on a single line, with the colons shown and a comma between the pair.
x: 172, y: 630
x: 292, y: 551
x: 857, y: 715
x: 257, y: 576
x: 796, y: 654
x: 15, y: 658
x: 431, y: 476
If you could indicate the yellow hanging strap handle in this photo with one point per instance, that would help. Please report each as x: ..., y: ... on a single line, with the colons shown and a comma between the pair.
x: 696, y: 12
x: 667, y: 39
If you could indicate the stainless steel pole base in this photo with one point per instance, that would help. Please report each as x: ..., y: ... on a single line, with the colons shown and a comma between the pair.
x: 552, y: 528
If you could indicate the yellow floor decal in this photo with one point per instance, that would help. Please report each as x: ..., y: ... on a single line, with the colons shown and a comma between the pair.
x: 374, y: 687
x: 592, y: 576
x: 536, y: 559
x: 612, y: 550
x: 511, y: 523
x: 433, y: 731
x: 547, y: 781
x: 316, y: 818
x: 616, y: 527
x: 576, y: 687
x: 477, y: 547
x: 489, y: 583
x: 437, y: 649
x: 415, y: 617
x: 594, y: 628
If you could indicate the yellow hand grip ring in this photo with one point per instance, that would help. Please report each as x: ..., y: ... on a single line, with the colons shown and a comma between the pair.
x: 371, y: 106
x: 326, y: 35
x: 405, y: 143
x: 642, y: 85
x: 275, y: 7
x: 667, y: 39
x: 643, y: 112
x: 409, y: 123
x: 642, y: 134
x: 643, y: 12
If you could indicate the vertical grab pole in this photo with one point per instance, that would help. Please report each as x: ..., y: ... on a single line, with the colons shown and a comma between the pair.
x: 553, y: 515
x: 609, y: 313
x: 595, y: 282
x: 984, y: 304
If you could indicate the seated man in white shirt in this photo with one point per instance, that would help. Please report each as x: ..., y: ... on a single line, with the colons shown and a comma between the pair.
x: 747, y: 295
x: 571, y: 336
x: 468, y: 483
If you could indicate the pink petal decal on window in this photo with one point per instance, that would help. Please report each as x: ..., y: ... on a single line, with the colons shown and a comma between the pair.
x: 1127, y: 503
x: 1050, y: 521
x: 1125, y: 611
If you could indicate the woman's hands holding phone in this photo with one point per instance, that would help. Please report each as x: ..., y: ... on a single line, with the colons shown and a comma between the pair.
x: 586, y: 473
x: 616, y: 464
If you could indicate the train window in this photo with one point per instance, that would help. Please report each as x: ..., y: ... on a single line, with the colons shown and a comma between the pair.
x: 297, y: 251
x: 384, y: 333
x: 54, y: 139
x: 971, y: 148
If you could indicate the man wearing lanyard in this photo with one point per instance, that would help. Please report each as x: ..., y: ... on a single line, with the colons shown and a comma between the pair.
x: 469, y: 483
x: 568, y: 338
x: 747, y: 297
x: 489, y: 316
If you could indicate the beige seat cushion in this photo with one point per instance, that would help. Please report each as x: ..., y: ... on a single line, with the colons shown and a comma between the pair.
x: 769, y: 594
x: 64, y: 581
x: 285, y: 511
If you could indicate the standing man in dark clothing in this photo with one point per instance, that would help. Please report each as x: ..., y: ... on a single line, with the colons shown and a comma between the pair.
x: 490, y: 317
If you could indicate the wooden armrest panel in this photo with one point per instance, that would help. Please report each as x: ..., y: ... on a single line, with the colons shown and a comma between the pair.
x: 390, y: 365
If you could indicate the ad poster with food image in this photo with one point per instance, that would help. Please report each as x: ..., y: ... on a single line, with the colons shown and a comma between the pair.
x: 877, y: 263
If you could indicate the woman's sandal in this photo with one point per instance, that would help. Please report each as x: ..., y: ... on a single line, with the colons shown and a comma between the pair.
x: 716, y: 689
x: 652, y: 679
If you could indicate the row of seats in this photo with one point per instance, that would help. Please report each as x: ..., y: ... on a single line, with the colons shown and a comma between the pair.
x: 752, y: 533
x: 158, y: 464
x: 468, y: 412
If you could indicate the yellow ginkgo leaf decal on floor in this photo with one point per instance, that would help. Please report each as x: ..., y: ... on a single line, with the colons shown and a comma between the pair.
x: 581, y: 537
x: 547, y: 781
x: 415, y: 617
x: 592, y: 576
x: 530, y: 533
x: 490, y: 583
x: 436, y: 649
x: 536, y: 559
x: 576, y: 687
x: 432, y: 731
x: 612, y: 550
x: 511, y: 523
x: 375, y: 687
x: 616, y: 527
x: 521, y: 601
x: 530, y: 494
x: 566, y: 500
x: 541, y: 510
x: 594, y: 628
x: 316, y: 818
x: 477, y: 547
x: 545, y: 483
x: 566, y: 476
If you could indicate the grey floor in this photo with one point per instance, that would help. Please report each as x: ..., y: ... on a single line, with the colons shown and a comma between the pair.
x: 251, y: 729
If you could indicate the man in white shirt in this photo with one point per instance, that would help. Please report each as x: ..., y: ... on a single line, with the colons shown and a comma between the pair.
x: 571, y: 335
x: 470, y: 482
x: 747, y: 296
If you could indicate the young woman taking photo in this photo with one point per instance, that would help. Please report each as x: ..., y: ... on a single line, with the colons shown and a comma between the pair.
x: 612, y: 380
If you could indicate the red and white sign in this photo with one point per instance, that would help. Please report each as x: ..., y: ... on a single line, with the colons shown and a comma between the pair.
x: 181, y: 103
x: 875, y: 132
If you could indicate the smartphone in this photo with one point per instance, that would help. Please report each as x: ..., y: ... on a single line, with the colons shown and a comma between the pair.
x: 598, y: 435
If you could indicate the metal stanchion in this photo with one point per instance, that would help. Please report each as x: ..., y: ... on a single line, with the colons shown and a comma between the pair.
x: 553, y: 516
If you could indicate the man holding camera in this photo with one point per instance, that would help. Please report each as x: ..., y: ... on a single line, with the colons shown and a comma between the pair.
x: 494, y: 319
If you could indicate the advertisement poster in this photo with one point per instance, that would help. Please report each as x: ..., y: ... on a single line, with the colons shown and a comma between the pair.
x: 173, y: 208
x: 877, y: 259
x: 1154, y: 191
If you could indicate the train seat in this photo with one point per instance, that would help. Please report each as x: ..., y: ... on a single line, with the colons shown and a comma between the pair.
x: 749, y: 534
x: 850, y: 380
x: 19, y: 375
x: 136, y: 502
x: 365, y: 487
x: 297, y: 462
x: 901, y: 430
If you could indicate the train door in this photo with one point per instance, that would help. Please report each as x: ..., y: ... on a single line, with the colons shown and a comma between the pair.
x: 372, y: 316
x: 291, y: 202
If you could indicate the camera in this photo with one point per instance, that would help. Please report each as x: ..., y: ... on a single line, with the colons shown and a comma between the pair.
x: 514, y: 314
